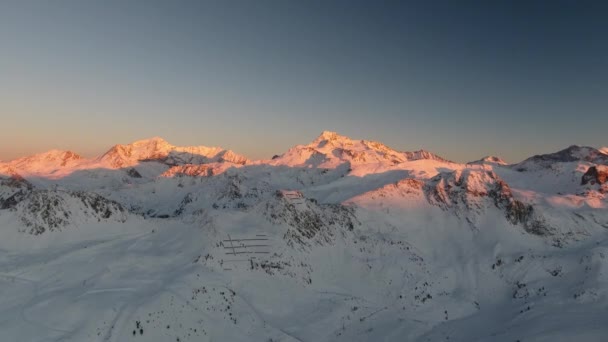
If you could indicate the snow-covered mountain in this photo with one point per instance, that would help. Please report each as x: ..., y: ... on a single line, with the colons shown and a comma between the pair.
x: 155, y: 152
x: 573, y: 153
x: 48, y: 210
x: 46, y: 163
x: 489, y: 160
x: 157, y: 149
x: 331, y: 149
x: 335, y: 240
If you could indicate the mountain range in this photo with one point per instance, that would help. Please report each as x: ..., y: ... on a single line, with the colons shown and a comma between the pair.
x: 336, y: 240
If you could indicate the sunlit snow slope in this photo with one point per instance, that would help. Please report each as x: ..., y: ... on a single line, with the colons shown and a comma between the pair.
x: 335, y: 240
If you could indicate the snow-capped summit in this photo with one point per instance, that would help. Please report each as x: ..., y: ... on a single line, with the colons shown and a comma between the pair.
x: 55, y: 157
x: 489, y: 160
x: 331, y: 149
x: 46, y: 162
x: 56, y: 164
x: 330, y: 136
x: 126, y: 155
x: 604, y: 150
x: 573, y: 153
x: 188, y: 247
x: 158, y: 149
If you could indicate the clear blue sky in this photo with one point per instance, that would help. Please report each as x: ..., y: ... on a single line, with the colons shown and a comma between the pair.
x: 460, y: 78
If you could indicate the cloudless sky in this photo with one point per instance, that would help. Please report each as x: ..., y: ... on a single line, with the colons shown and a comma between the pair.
x: 462, y: 79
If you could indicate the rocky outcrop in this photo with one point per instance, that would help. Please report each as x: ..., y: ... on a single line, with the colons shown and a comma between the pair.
x: 13, y: 187
x: 470, y: 193
x: 51, y: 210
x: 189, y: 170
x: 133, y: 173
x: 309, y: 222
x: 595, y: 175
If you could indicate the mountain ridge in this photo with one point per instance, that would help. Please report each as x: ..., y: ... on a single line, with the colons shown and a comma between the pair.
x: 350, y: 238
x: 572, y: 153
x: 157, y: 148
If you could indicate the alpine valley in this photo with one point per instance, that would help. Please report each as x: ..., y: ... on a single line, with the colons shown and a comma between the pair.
x: 336, y: 240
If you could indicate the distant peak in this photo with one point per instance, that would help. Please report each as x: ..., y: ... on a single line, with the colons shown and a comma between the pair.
x: 56, y: 152
x: 489, y: 159
x: 54, y: 155
x: 49, y: 159
x: 330, y: 136
x: 153, y: 140
x: 154, y: 143
x: 159, y: 150
x: 572, y: 153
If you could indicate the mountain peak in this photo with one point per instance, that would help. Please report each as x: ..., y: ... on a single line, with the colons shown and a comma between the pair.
x: 158, y: 149
x: 43, y: 163
x: 152, y: 140
x: 330, y: 149
x: 146, y: 149
x: 330, y: 136
x: 52, y: 156
x: 489, y: 160
x: 572, y: 153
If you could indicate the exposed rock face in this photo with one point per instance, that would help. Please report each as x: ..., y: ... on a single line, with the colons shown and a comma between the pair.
x: 469, y: 193
x: 133, y: 173
x: 12, y: 200
x: 49, y: 210
x: 595, y: 175
x: 468, y: 188
x: 13, y: 187
x: 309, y: 222
x: 189, y: 170
x: 15, y: 181
x: 423, y: 154
x: 234, y: 192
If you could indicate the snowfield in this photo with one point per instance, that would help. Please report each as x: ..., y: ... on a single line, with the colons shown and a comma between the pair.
x: 336, y: 240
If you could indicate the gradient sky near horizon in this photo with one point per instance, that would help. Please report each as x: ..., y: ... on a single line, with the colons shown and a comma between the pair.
x: 462, y: 79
